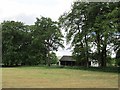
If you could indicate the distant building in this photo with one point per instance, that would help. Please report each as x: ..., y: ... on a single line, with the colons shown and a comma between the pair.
x: 70, y: 61
x: 67, y: 61
x: 94, y: 63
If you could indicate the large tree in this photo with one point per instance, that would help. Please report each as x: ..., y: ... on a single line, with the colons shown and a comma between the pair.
x: 12, y: 41
x: 30, y: 44
x: 48, y: 35
x: 18, y: 47
x: 78, y: 31
x: 104, y: 28
x: 90, y: 24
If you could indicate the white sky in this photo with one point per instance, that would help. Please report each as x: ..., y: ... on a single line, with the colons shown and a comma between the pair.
x: 26, y: 11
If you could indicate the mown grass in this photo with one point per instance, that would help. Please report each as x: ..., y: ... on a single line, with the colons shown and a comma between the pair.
x: 56, y: 77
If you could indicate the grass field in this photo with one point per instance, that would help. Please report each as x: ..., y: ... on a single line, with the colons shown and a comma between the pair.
x: 44, y: 77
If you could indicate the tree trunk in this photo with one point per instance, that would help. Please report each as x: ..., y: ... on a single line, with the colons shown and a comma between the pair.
x: 48, y: 60
x: 87, y: 54
x: 98, y: 48
x: 45, y: 59
x: 103, y: 56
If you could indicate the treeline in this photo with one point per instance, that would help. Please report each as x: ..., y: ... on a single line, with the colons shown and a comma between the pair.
x: 30, y: 44
x: 93, y: 29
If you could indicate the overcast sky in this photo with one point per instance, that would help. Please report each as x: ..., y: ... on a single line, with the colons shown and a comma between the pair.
x: 26, y: 11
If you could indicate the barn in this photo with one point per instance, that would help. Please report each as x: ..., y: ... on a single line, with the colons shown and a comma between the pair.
x: 70, y: 61
x: 67, y: 61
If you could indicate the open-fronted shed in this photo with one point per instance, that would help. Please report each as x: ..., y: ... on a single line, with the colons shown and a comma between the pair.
x: 70, y: 61
x: 67, y: 60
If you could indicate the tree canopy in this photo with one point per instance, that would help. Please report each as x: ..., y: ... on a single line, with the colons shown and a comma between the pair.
x: 30, y: 44
x: 93, y: 28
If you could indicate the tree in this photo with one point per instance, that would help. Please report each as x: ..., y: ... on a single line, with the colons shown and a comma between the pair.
x: 76, y: 25
x: 30, y: 44
x: 53, y: 58
x: 89, y: 25
x: 49, y: 36
x: 17, y: 44
x: 104, y: 30
x: 12, y: 37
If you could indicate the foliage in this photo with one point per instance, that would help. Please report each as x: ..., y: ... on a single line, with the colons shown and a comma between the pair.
x: 92, y: 29
x: 29, y: 44
x: 53, y: 58
x: 92, y: 25
x: 12, y: 37
x: 49, y: 36
x: 118, y: 58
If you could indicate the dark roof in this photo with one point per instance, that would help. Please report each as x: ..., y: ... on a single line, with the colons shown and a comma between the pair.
x: 67, y: 58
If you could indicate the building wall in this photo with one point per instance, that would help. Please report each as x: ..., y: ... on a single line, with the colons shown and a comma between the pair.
x: 94, y: 64
x: 67, y: 63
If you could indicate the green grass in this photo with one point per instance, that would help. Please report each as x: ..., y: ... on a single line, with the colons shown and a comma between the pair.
x: 55, y: 77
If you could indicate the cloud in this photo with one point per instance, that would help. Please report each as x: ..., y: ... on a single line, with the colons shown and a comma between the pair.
x: 63, y: 52
x: 47, y: 8
x: 29, y: 19
x: 26, y: 19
